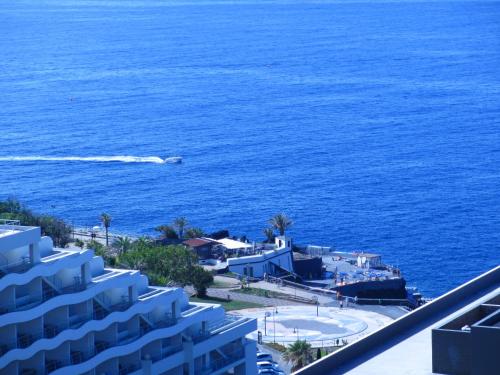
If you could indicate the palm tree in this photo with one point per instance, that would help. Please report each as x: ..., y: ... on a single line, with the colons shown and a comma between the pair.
x: 181, y: 223
x: 281, y: 223
x: 299, y: 354
x: 122, y: 244
x: 269, y: 233
x: 167, y: 231
x: 106, y: 221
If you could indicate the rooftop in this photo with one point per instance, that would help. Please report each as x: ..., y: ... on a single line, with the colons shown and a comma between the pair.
x: 404, y: 346
x: 231, y: 244
x: 195, y: 242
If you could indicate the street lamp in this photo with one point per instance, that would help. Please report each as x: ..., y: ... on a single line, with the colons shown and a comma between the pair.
x: 266, y: 315
x: 274, y: 324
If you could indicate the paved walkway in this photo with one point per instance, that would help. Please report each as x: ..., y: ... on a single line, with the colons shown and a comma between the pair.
x: 322, y: 299
x: 234, y: 295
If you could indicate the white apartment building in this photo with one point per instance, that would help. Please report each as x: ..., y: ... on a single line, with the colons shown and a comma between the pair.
x: 63, y: 312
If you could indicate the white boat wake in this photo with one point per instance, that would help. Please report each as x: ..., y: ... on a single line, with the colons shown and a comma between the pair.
x: 97, y: 159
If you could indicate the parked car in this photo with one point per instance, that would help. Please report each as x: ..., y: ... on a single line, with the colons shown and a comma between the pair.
x: 268, y: 371
x: 268, y: 364
x: 264, y: 357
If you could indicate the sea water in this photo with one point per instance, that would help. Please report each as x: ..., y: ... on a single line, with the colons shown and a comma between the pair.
x: 373, y: 124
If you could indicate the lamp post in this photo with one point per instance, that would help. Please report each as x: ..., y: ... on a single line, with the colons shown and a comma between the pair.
x: 266, y: 315
x: 317, y: 304
x: 274, y: 323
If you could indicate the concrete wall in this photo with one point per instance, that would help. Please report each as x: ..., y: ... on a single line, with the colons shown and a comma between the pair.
x: 485, y: 350
x: 451, y: 352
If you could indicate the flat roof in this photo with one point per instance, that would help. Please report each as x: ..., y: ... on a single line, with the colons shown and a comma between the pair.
x: 405, y: 346
x: 231, y: 244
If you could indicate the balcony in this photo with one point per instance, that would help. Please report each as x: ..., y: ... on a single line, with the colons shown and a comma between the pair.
x: 166, y: 352
x: 24, y: 263
x: 218, y: 364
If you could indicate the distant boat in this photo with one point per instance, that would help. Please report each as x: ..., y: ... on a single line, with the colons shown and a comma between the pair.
x: 173, y: 160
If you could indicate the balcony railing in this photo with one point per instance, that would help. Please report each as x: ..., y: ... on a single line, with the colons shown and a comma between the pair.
x: 24, y: 264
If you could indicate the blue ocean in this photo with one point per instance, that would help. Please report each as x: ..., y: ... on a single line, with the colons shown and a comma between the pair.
x: 374, y: 125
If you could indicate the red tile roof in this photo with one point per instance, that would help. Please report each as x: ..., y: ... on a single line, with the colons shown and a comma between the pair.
x: 196, y: 242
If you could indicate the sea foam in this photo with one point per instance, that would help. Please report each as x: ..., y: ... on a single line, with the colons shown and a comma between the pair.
x: 98, y: 159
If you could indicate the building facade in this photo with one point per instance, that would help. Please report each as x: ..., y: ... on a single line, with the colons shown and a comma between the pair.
x: 63, y: 312
x: 270, y: 262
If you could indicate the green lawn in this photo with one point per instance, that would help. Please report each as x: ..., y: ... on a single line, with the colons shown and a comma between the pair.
x: 261, y: 292
x: 227, y: 305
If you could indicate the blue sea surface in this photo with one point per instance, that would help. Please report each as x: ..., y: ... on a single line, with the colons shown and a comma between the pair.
x: 375, y: 125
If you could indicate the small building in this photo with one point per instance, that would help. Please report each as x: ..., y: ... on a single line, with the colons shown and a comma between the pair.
x: 272, y: 262
x: 231, y: 246
x: 201, y: 246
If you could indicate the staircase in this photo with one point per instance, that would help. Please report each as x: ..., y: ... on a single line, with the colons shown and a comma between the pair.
x: 49, y: 290
x: 100, y: 309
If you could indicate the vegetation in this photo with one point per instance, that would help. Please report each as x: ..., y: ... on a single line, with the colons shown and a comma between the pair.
x: 106, y: 222
x: 270, y: 236
x: 262, y: 292
x: 57, y: 229
x: 180, y: 223
x: 298, y: 354
x: 180, y: 230
x: 122, y: 244
x: 79, y: 243
x: 227, y: 305
x: 201, y: 279
x: 194, y: 233
x: 174, y: 265
x: 276, y: 346
x: 281, y: 223
x: 167, y: 231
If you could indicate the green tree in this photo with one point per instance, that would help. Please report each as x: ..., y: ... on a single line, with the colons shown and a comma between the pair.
x: 269, y: 233
x: 201, y: 279
x: 167, y: 231
x: 281, y: 223
x: 180, y: 223
x: 173, y: 265
x: 98, y: 248
x: 79, y: 243
x: 106, y: 222
x: 194, y: 233
x: 298, y: 354
x: 122, y: 244
x: 51, y: 226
